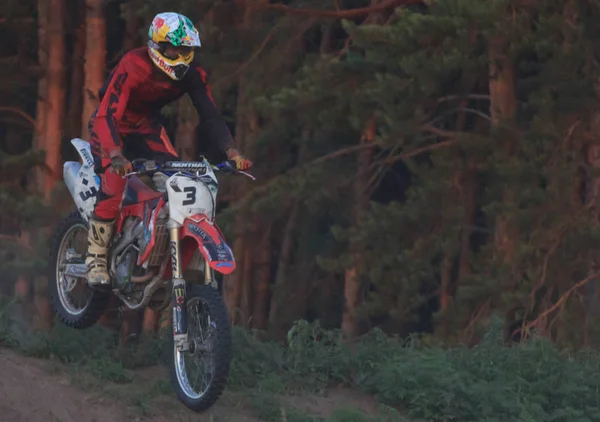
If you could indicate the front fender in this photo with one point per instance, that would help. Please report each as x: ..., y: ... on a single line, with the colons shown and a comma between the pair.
x: 211, y: 243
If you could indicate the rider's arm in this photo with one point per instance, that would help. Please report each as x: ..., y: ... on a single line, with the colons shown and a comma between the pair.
x: 112, y: 107
x: 203, y: 101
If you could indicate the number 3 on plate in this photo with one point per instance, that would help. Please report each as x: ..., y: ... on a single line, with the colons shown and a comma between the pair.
x: 190, y: 197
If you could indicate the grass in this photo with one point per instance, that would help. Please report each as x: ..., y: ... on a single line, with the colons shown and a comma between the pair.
x: 533, y: 381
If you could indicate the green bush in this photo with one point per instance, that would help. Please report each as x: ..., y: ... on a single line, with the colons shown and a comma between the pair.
x: 532, y: 381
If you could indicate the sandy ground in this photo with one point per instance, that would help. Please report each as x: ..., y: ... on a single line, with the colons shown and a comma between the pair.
x: 31, y: 392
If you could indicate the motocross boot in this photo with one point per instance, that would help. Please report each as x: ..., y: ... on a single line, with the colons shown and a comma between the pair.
x: 99, y: 235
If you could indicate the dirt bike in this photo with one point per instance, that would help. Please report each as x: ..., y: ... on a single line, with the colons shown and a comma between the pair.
x: 175, y: 224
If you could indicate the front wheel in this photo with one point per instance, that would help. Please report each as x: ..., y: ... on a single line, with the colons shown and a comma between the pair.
x: 76, y: 304
x: 199, y: 375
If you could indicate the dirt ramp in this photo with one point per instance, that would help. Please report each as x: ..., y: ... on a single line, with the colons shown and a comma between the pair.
x: 28, y: 393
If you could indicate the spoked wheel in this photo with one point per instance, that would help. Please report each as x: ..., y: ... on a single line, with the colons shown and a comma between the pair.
x: 199, y: 375
x: 76, y: 304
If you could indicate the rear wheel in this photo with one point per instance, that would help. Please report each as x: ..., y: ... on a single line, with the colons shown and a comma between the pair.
x: 75, y: 303
x: 200, y: 374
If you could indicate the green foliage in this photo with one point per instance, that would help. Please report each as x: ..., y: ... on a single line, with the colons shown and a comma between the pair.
x: 425, y: 77
x: 493, y: 381
x: 22, y: 212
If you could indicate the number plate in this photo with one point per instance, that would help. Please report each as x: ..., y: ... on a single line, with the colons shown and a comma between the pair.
x: 189, y: 197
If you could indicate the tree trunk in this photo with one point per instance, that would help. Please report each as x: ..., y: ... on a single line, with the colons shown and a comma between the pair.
x: 73, y: 123
x: 185, y: 137
x: 469, y: 200
x: 281, y: 297
x: 247, y: 284
x: 56, y: 93
x: 262, y: 277
x: 110, y: 318
x: 150, y: 323
x: 460, y: 188
x: 132, y: 25
x: 95, y: 60
x: 285, y: 290
x: 131, y: 325
x: 45, y: 316
x: 592, y: 199
x: 503, y: 105
x: 22, y: 288
x: 233, y: 284
x: 39, y: 140
x: 290, y: 289
x: 445, y: 282
x: 352, y: 284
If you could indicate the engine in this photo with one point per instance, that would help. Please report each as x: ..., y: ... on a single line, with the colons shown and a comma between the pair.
x: 161, y: 242
x: 135, y: 240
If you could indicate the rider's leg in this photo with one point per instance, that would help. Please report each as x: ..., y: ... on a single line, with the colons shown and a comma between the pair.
x: 150, y: 140
x: 101, y: 227
x: 105, y: 212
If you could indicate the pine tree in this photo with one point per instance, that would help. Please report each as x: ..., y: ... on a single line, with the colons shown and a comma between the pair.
x: 426, y: 77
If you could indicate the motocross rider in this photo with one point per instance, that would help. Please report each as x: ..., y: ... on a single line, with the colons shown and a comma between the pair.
x: 127, y: 121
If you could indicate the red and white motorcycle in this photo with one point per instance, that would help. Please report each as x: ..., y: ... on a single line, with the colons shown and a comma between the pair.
x: 175, y: 224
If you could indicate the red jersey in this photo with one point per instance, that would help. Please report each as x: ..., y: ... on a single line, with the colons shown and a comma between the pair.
x: 136, y: 91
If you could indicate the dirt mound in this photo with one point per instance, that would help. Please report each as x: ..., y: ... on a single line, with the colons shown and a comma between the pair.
x: 33, y: 390
x: 29, y: 393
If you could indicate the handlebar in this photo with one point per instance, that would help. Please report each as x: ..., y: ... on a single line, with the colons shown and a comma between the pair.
x: 141, y: 166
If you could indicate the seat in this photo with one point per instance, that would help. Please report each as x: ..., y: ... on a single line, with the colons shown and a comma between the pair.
x: 137, y: 192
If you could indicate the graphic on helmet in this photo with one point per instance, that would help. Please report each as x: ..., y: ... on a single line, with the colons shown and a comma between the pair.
x: 172, y: 38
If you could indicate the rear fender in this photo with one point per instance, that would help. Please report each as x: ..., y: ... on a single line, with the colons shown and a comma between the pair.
x: 211, y: 243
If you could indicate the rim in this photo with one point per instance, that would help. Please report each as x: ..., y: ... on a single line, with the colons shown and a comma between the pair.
x: 196, y: 366
x: 73, y: 292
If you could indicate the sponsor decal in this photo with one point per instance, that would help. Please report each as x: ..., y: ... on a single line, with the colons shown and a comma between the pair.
x: 88, y: 194
x: 223, y: 252
x: 175, y: 330
x: 179, y: 295
x: 198, y: 232
x: 224, y: 264
x: 197, y: 211
x: 161, y: 63
x: 174, y: 263
x: 208, y: 255
x: 77, y: 270
x: 86, y: 156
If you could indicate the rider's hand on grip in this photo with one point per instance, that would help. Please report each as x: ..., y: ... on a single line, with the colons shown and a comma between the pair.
x: 120, y: 165
x: 241, y: 162
x: 160, y: 181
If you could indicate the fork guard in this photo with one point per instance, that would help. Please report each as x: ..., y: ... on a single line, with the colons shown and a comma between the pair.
x: 211, y: 243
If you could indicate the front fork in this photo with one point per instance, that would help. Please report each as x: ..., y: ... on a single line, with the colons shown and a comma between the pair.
x: 180, y: 326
